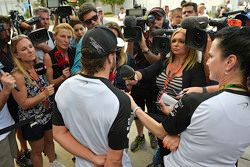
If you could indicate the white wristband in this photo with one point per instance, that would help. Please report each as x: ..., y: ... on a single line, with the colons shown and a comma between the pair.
x: 135, y: 109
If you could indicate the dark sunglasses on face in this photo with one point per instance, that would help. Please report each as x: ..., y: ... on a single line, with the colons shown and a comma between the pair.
x: 89, y: 21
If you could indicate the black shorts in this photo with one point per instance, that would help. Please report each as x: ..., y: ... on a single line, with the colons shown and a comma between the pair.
x: 36, y: 132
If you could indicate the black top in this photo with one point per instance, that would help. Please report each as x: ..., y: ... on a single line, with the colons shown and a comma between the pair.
x: 194, y: 76
x: 57, y: 70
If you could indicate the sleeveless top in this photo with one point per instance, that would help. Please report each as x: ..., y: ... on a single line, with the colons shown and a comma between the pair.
x: 57, y: 70
x: 41, y: 111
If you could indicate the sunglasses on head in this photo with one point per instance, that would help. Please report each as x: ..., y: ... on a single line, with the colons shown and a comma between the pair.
x: 89, y: 21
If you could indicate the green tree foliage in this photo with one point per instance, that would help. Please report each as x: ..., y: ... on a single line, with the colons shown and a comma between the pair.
x: 80, y: 2
x: 112, y: 3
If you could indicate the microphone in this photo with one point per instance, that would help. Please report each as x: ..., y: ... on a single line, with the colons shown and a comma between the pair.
x: 61, y: 60
x: 130, y: 21
x: 199, y: 22
x: 127, y: 72
x: 40, y: 69
x: 160, y: 32
x: 2, y: 72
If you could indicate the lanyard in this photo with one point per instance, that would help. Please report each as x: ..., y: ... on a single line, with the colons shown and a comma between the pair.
x: 239, y: 86
x: 170, y: 77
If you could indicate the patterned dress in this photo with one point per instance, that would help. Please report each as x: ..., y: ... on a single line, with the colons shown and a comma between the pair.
x: 41, y: 111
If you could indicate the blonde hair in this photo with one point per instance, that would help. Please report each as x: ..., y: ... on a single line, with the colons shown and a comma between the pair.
x: 63, y: 26
x: 123, y: 56
x: 19, y: 65
x: 191, y: 57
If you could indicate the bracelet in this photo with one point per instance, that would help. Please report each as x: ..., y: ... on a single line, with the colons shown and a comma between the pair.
x: 135, y: 109
x: 204, y: 89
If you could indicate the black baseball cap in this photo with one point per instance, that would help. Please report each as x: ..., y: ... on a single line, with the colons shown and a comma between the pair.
x: 158, y: 11
x: 98, y: 42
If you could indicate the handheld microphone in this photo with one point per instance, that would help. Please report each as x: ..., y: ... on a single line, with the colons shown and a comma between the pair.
x: 40, y: 69
x: 160, y: 32
x: 127, y: 72
x: 199, y: 22
x: 130, y: 21
x: 61, y: 60
x: 2, y: 72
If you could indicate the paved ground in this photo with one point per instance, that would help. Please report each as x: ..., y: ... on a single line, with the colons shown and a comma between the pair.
x: 139, y: 159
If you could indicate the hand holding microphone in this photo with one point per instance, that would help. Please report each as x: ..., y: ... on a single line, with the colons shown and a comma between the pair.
x: 66, y: 72
x: 129, y: 75
x: 3, y: 74
x: 8, y: 81
x: 49, y: 90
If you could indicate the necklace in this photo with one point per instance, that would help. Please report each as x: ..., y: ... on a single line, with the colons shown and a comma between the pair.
x: 228, y: 86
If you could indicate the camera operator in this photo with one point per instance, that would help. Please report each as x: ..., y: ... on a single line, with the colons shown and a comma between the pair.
x: 144, y: 92
x: 44, y: 47
x: 176, y: 18
x: 8, y: 64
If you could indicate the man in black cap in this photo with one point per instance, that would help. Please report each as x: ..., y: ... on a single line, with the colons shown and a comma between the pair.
x: 144, y: 93
x: 92, y: 119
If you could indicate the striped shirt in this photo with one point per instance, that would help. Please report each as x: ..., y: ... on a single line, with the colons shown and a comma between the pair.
x: 174, y: 86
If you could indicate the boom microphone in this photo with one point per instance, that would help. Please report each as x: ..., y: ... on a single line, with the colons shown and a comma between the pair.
x: 2, y: 72
x: 127, y: 72
x: 199, y: 22
x: 160, y: 32
x: 130, y: 21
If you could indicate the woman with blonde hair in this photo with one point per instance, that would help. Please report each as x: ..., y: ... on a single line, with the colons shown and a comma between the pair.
x: 172, y: 74
x: 59, y: 60
x: 33, y: 100
x: 213, y: 128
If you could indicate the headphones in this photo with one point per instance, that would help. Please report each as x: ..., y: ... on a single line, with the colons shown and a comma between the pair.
x: 159, y: 11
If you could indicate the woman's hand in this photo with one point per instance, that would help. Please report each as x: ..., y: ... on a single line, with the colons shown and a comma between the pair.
x: 165, y: 109
x: 49, y: 90
x: 8, y: 82
x: 66, y: 72
x: 171, y: 142
x: 189, y: 90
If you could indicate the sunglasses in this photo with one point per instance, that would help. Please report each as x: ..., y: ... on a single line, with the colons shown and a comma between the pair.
x: 89, y: 21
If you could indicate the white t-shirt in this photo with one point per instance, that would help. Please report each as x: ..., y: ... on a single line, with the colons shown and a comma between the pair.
x: 5, y: 119
x: 217, y: 129
x: 40, y: 53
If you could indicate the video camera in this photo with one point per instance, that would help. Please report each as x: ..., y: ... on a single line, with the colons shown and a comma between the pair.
x: 20, y: 24
x: 197, y: 32
x: 59, y: 9
x: 134, y: 23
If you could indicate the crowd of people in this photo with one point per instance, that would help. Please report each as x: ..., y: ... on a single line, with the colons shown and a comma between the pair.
x: 78, y: 97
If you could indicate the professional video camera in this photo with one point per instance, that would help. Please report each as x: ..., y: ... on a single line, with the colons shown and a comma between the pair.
x: 197, y: 32
x: 57, y: 7
x: 20, y: 24
x: 134, y: 23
